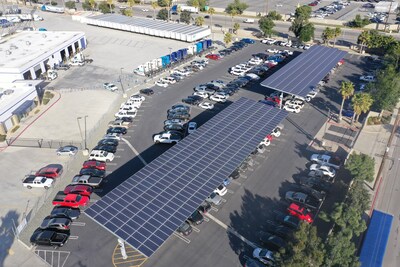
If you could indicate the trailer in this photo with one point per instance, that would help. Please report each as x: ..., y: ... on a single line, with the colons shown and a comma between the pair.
x: 52, y: 9
x: 376, y: 239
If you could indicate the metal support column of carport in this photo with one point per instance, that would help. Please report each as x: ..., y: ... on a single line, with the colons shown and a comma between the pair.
x: 150, y: 205
x: 302, y: 75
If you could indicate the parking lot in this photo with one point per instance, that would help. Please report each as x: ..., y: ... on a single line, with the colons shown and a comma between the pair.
x: 249, y: 200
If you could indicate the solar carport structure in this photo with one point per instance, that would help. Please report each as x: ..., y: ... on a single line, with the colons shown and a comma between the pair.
x: 151, y: 204
x: 302, y: 74
x: 159, y: 28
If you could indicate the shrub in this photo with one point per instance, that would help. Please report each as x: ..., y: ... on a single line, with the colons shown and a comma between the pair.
x: 54, y: 3
x: 374, y: 121
x: 2, y: 138
x: 70, y: 5
x: 37, y: 111
x: 45, y: 101
x: 13, y: 130
x: 48, y: 95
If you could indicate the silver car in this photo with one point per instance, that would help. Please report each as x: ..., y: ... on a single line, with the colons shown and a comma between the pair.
x: 67, y: 151
x: 61, y: 223
x: 214, y: 199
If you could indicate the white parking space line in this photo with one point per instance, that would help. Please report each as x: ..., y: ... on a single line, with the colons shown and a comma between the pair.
x: 127, y: 136
x: 93, y: 200
x: 120, y: 149
x: 223, y: 200
x: 236, y: 182
x: 135, y: 151
x: 117, y: 156
x: 181, y: 237
x: 111, y: 164
x: 214, y: 209
x: 231, y: 230
x: 230, y: 191
x: 73, y: 237
x: 78, y: 224
x: 206, y: 219
x: 197, y: 230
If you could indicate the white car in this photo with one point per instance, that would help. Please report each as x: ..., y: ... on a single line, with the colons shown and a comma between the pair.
x: 145, y: 10
x: 32, y: 181
x: 192, y: 126
x: 110, y: 87
x: 311, y: 95
x: 126, y: 113
x: 268, y: 41
x: 161, y: 83
x: 169, y: 80
x: 325, y: 170
x: 296, y: 102
x: 289, y: 44
x: 272, y: 50
x: 255, y: 61
x: 218, y: 98
x: 307, y: 46
x: 367, y: 78
x: 101, y: 155
x: 115, y: 136
x: 253, y: 76
x: 283, y: 43
x: 183, y: 72
x: 288, y: 52
x: 238, y: 72
x: 221, y: 190
x: 167, y: 138
x: 174, y: 121
x: 67, y: 151
x: 201, y: 93
x: 206, y: 105
x: 292, y: 108
x: 222, y: 94
x: 139, y: 97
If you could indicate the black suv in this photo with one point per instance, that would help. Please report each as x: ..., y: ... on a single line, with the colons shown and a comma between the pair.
x: 196, y: 218
x: 112, y: 142
x: 118, y: 130
x: 191, y: 101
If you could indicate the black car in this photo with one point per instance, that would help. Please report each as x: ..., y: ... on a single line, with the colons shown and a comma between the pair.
x: 288, y: 220
x: 108, y: 148
x: 175, y: 111
x: 235, y: 48
x: 111, y: 142
x: 174, y: 127
x: 196, y: 218
x: 195, y: 97
x: 317, y: 184
x: 191, y: 101
x: 204, y: 207
x: 50, y: 237
x: 263, y: 56
x: 68, y: 212
x: 253, y: 263
x: 280, y: 230
x: 177, y: 77
x: 185, y: 228
x: 147, y: 91
x: 235, y: 174
x: 181, y: 116
x: 62, y: 67
x: 226, y: 91
x: 118, y: 130
x: 93, y: 172
x: 271, y: 241
x: 179, y: 107
x: 126, y: 119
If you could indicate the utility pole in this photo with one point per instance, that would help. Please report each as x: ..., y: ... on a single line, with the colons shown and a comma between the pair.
x: 387, y: 18
x: 122, y: 85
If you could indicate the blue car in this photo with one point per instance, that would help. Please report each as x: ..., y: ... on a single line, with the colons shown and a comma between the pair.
x: 248, y: 40
x: 42, y: 30
x: 348, y: 113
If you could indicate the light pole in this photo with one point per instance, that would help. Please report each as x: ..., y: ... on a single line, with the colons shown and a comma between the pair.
x: 79, y: 126
x: 170, y: 55
x: 122, y: 85
x: 84, y: 117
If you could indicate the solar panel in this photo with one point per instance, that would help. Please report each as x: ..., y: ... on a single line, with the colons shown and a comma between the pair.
x: 151, y: 204
x: 303, y: 73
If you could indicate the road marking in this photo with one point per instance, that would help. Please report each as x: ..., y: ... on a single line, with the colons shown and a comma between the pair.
x: 135, y: 151
x: 230, y: 191
x: 117, y: 156
x: 184, y: 239
x: 223, y: 199
x: 78, y: 223
x: 73, y: 237
x: 93, y: 200
x: 235, y: 182
x: 231, y: 230
x: 127, y: 136
x: 111, y: 164
x: 120, y: 149
x: 197, y: 230
x: 214, y: 209
x: 206, y: 219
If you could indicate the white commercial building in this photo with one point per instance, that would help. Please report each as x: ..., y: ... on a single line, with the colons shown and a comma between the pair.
x: 24, y: 57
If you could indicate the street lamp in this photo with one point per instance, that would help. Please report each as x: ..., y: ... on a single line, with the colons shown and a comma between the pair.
x: 84, y: 117
x: 170, y: 55
x: 122, y: 85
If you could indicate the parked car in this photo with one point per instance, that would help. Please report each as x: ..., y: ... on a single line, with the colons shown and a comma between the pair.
x: 50, y: 171
x: 326, y: 170
x: 114, y: 136
x: 60, y: 223
x: 368, y: 78
x: 300, y: 212
x: 49, y: 237
x: 70, y: 200
x: 206, y: 105
x: 204, y: 207
x: 180, y: 107
x: 191, y: 101
x: 167, y: 138
x: 292, y: 108
x: 174, y: 121
x: 185, y: 229
x: 174, y: 127
x: 196, y: 218
x: 288, y: 220
x: 61, y: 211
x: 316, y: 184
x: 213, y: 56
x: 271, y: 241
x: 303, y: 199
x: 161, y: 83
x: 253, y: 263
x: 221, y: 190
x: 80, y: 189
x: 192, y: 126
x: 32, y: 181
x: 67, y: 151
x: 147, y: 91
x: 327, y: 160
x: 93, y: 172
x: 112, y: 142
x: 214, y: 198
x: 101, y: 155
x: 279, y: 230
x: 265, y: 256
x: 110, y: 87
x: 117, y: 130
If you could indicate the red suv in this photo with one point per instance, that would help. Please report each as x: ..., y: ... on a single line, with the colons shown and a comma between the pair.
x: 94, y: 164
x: 50, y: 171
x: 300, y: 212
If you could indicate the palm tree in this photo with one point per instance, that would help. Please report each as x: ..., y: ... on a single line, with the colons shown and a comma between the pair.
x: 199, y: 21
x: 211, y: 11
x: 363, y: 39
x: 346, y: 90
x: 336, y: 33
x: 131, y: 4
x: 154, y: 5
x: 362, y: 102
x: 327, y: 35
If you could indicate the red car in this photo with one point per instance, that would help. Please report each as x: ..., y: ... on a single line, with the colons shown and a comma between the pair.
x: 80, y: 189
x: 313, y: 3
x: 94, y: 164
x: 50, y: 171
x: 300, y: 212
x: 275, y: 99
x: 71, y: 200
x: 213, y: 56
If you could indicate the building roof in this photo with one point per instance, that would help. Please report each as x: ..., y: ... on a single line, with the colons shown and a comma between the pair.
x: 19, y: 49
x: 302, y: 74
x: 151, y: 204
x: 149, y: 26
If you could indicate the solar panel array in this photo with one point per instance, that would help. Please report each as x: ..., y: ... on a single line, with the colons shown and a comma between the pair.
x: 303, y: 73
x: 150, y: 205
x: 148, y: 26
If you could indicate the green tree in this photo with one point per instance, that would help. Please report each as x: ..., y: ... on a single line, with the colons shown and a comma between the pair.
x: 164, y: 3
x: 185, y: 17
x: 346, y: 91
x: 131, y: 3
x: 363, y: 40
x: 228, y: 38
x: 236, y: 27
x: 162, y: 14
x: 105, y: 7
x: 274, y: 15
x: 393, y: 55
x: 154, y: 5
x: 386, y: 88
x: 201, y: 4
x: 236, y: 6
x: 341, y: 251
x: 233, y: 14
x: 307, y: 32
x: 362, y: 103
x: 302, y: 29
x: 266, y: 25
x: 304, y: 249
x: 93, y: 4
x: 336, y: 33
x: 127, y: 12
x: 358, y: 22
x: 89, y: 5
x: 361, y: 167
x: 327, y: 35
x: 70, y: 4
x: 199, y: 21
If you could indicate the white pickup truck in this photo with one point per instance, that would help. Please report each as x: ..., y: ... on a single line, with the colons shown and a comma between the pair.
x: 326, y: 160
x: 37, y: 181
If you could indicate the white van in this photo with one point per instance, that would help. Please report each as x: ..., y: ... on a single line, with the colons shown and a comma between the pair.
x: 101, y: 155
x: 251, y: 21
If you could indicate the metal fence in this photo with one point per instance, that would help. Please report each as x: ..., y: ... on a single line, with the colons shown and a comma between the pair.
x: 41, y: 143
